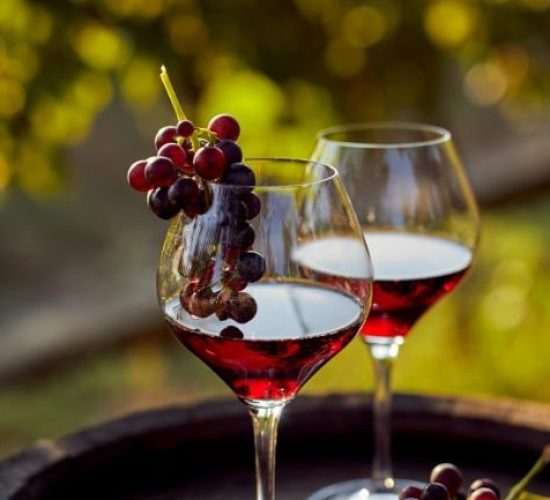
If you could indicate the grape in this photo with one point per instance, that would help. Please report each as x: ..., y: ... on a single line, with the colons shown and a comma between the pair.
x: 241, y: 236
x: 136, y: 176
x: 435, y: 491
x: 176, y: 153
x: 165, y: 135
x: 231, y: 332
x: 160, y: 171
x: 448, y: 475
x: 225, y: 127
x: 234, y: 211
x: 209, y: 162
x: 183, y: 192
x: 410, y: 492
x: 252, y: 203
x: 237, y: 284
x: 239, y: 174
x: 242, y: 307
x: 186, y: 293
x: 251, y: 266
x: 185, y: 128
x: 484, y: 483
x: 231, y: 151
x: 202, y: 303
x: 484, y: 494
x: 201, y: 205
x: 158, y: 202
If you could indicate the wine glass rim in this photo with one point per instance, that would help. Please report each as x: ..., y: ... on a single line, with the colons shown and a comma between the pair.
x: 331, y: 173
x: 443, y: 135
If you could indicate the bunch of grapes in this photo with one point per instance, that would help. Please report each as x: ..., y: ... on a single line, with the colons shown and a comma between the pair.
x: 445, y: 484
x: 176, y: 179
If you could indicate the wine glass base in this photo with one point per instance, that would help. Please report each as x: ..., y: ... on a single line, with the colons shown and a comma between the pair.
x: 362, y: 489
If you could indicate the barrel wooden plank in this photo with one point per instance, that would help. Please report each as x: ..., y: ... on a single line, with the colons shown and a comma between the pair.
x: 205, y: 451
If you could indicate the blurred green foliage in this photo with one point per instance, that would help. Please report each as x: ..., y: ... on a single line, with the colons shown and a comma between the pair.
x: 285, y: 68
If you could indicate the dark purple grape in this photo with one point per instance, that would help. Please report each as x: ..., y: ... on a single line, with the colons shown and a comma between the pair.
x: 239, y: 174
x: 231, y: 151
x: 448, y: 475
x: 183, y: 192
x: 185, y: 128
x: 222, y: 312
x: 241, y: 236
x: 209, y: 162
x: 252, y: 203
x: 233, y: 211
x: 201, y: 205
x: 232, y: 332
x: 225, y: 127
x: 136, y: 176
x: 158, y: 202
x: 165, y: 135
x: 484, y: 483
x: 160, y: 171
x: 251, y: 266
x: 410, y: 492
x: 176, y: 153
x: 435, y: 491
x: 484, y: 494
x: 242, y: 307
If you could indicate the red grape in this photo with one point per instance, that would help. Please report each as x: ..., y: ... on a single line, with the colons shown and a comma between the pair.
x: 176, y: 153
x: 410, y: 492
x: 165, y: 135
x: 225, y: 127
x: 185, y: 128
x: 136, y: 176
x: 484, y: 483
x: 483, y: 494
x: 209, y: 162
x: 252, y: 203
x: 448, y: 475
x: 232, y: 332
x: 160, y: 171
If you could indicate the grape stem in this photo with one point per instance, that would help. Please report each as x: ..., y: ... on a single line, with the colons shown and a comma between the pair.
x: 175, y: 102
x: 520, y: 486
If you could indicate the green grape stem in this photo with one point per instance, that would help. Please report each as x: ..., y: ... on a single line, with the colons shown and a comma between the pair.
x: 520, y: 486
x: 175, y: 102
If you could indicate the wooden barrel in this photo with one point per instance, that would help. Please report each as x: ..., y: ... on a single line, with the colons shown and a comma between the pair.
x: 205, y: 451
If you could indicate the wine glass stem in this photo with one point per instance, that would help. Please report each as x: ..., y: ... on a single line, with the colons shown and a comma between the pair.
x: 383, y: 356
x: 265, y: 421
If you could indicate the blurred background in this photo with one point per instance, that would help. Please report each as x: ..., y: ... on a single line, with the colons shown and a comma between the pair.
x: 81, y: 338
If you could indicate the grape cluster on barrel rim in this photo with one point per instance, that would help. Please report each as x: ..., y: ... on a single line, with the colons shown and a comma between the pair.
x: 446, y: 481
x: 176, y: 179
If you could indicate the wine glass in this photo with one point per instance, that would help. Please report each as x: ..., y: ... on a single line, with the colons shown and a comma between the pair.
x: 420, y: 220
x: 232, y: 292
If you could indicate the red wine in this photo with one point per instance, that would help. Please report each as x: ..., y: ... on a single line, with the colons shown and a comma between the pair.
x: 297, y: 329
x: 411, y: 272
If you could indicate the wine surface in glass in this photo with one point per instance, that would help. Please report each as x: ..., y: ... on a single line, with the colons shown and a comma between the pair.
x: 298, y: 327
x: 411, y: 272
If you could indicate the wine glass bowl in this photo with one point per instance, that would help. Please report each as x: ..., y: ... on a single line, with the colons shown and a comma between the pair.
x: 420, y: 220
x: 233, y: 292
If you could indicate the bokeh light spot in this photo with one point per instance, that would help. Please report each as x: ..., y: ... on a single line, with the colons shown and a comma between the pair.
x: 101, y: 47
x: 12, y: 97
x: 485, y: 84
x: 5, y: 173
x: 344, y: 61
x: 187, y: 33
x: 140, y: 81
x: 450, y: 22
x: 363, y: 26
